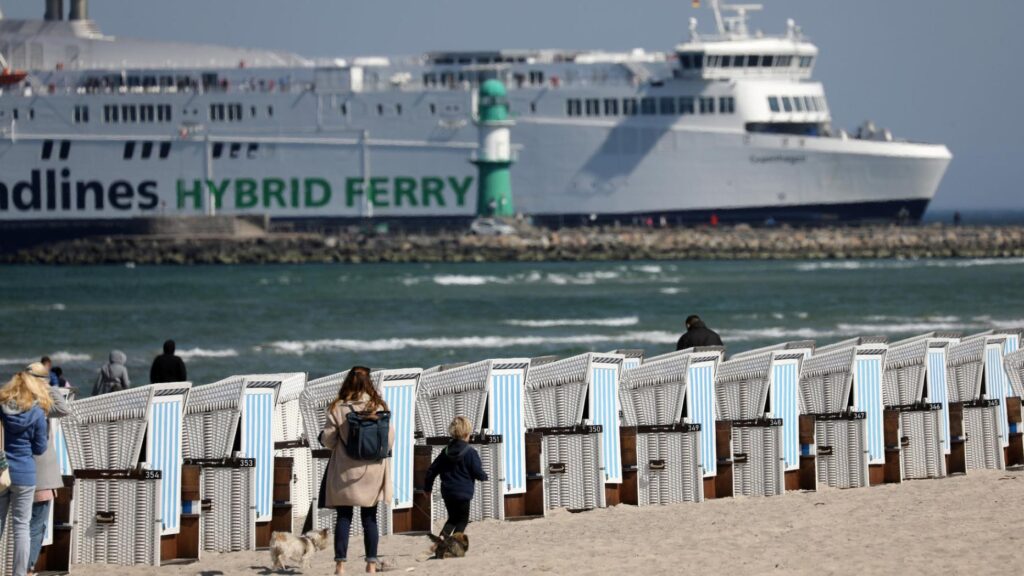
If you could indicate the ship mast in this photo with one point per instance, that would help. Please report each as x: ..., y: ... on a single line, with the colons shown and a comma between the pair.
x: 733, y: 26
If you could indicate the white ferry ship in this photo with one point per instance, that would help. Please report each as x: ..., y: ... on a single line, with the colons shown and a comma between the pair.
x: 727, y: 125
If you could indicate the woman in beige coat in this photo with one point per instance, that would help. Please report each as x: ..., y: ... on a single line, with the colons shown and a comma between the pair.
x: 350, y: 482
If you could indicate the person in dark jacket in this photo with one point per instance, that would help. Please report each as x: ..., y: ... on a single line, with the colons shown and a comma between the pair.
x: 167, y: 367
x: 459, y: 467
x: 697, y: 334
x: 48, y: 364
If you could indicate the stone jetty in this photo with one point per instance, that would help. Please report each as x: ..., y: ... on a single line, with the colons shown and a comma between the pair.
x: 537, y: 244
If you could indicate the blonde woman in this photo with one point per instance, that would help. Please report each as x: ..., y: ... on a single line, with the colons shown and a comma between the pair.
x: 351, y: 483
x: 24, y: 403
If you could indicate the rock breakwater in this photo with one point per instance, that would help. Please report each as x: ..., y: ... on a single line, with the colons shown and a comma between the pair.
x: 533, y: 245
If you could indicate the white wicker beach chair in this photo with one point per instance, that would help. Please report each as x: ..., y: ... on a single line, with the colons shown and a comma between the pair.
x: 126, y: 498
x: 974, y: 368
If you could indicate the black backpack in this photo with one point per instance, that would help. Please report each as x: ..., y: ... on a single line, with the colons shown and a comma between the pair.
x: 368, y: 435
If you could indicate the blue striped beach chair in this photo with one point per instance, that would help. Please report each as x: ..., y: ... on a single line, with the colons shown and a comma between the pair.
x: 915, y: 387
x: 572, y: 406
x: 977, y: 382
x: 632, y: 357
x: 125, y: 450
x: 398, y: 387
x: 490, y: 394
x: 214, y: 436
x: 759, y: 392
x: 841, y: 386
x: 290, y: 440
x: 668, y: 466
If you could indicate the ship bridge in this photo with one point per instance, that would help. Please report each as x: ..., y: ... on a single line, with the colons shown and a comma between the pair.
x: 734, y: 53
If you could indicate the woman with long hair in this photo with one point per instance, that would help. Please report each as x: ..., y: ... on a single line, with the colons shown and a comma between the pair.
x: 24, y: 402
x: 350, y: 482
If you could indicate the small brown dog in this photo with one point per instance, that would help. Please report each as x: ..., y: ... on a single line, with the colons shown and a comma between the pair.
x: 454, y: 546
x: 287, y: 546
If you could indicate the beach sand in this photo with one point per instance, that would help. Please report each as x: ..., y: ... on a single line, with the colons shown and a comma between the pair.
x: 960, y: 525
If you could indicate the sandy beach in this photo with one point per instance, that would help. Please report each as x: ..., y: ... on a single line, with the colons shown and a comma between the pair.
x: 920, y: 527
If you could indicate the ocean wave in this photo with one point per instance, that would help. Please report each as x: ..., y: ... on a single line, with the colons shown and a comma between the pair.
x: 648, y: 268
x: 905, y: 264
x: 624, y: 321
x: 897, y: 327
x: 68, y: 357
x: 55, y: 307
x: 672, y: 290
x: 779, y: 333
x: 532, y: 277
x: 467, y: 280
x: 17, y: 361
x: 204, y: 353
x: 300, y: 347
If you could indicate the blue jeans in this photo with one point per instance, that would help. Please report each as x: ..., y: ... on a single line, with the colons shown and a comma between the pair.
x: 18, y: 499
x: 37, y: 529
x: 371, y: 535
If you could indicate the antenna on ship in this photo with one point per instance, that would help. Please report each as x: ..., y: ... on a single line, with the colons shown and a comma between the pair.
x: 734, y: 26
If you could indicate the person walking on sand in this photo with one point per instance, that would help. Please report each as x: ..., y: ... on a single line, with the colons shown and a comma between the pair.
x: 24, y: 403
x: 167, y: 367
x: 459, y: 467
x: 697, y: 334
x: 351, y: 482
x: 113, y: 376
x: 48, y: 478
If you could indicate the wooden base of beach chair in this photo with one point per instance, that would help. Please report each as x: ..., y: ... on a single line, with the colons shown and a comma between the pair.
x: 723, y: 481
x: 56, y: 557
x: 1014, y: 452
x: 282, y: 515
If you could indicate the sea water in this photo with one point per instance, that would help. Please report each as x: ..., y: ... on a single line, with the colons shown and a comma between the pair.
x: 321, y: 319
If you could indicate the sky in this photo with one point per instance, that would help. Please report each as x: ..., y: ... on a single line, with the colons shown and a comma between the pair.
x: 931, y: 70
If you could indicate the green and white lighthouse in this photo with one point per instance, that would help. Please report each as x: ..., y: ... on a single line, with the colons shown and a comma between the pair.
x: 494, y: 156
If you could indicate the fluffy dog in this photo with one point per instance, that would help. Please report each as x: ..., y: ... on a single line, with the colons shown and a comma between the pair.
x: 454, y: 546
x: 287, y: 546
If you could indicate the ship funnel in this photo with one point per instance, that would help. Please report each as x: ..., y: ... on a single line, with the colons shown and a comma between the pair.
x: 54, y: 10
x: 79, y: 10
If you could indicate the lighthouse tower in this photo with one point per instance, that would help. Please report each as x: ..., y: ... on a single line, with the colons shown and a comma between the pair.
x: 494, y: 156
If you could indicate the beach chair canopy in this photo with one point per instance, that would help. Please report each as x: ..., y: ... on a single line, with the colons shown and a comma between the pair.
x: 212, y: 414
x: 805, y: 346
x: 556, y: 392
x: 743, y: 385
x: 1013, y: 363
x: 447, y: 392
x: 653, y: 393
x: 907, y: 368
x: 107, y: 432
x: 966, y: 366
x: 826, y: 382
x: 633, y: 357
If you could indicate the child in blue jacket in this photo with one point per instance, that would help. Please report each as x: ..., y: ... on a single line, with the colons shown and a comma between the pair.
x: 459, y: 467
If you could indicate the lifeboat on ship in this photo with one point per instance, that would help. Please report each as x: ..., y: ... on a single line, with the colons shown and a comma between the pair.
x: 9, y: 77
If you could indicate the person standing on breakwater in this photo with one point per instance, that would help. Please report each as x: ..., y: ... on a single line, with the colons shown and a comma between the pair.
x: 697, y: 334
x: 113, y: 376
x: 24, y: 402
x: 167, y: 367
x: 48, y: 478
x: 350, y: 482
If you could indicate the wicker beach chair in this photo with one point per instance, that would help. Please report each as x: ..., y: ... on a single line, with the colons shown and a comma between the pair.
x: 490, y: 394
x: 977, y: 382
x: 915, y: 388
x: 215, y: 432
x: 632, y: 357
x: 573, y: 406
x: 398, y: 387
x: 126, y: 498
x: 841, y: 386
x: 290, y: 438
x: 668, y: 450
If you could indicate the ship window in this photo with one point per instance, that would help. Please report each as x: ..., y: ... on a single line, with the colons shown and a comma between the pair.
x: 217, y: 112
x: 147, y: 150
x: 109, y: 113
x: 252, y: 111
x: 684, y: 60
x: 727, y: 105
x: 629, y: 106
x: 707, y: 105
x: 218, y: 149
x: 398, y: 109
x: 251, y: 151
x: 821, y: 104
x: 809, y: 104
x: 611, y: 107
x: 429, y: 79
x: 805, y: 61
x: 738, y: 60
x: 686, y: 105
x: 146, y: 113
x: 234, y: 112
x: 787, y: 104
x: 798, y: 103
x: 536, y: 77
x: 725, y: 61
x: 31, y: 113
x: 712, y: 61
x: 380, y: 109
x: 432, y: 106
x: 129, y: 150
x: 773, y: 103
x: 14, y: 113
x: 573, y: 107
x: 128, y: 113
x: 81, y: 114
x: 163, y: 112
x: 236, y: 149
x: 667, y: 106
x: 165, y: 150
x: 270, y: 111
x: 784, y: 61
x: 766, y: 61
x: 593, y: 107
x: 344, y: 109
x: 47, y: 149
x: 65, y: 149
x: 533, y: 107
x: 698, y: 60
x: 648, y: 107
x: 753, y: 60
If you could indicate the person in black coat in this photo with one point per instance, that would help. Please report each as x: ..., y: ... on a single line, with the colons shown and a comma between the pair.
x: 167, y: 367
x: 459, y: 467
x: 697, y: 334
